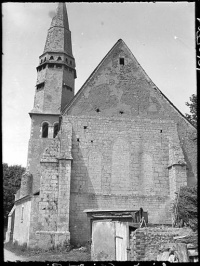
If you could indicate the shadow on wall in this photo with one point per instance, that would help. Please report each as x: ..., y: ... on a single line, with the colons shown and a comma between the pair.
x: 82, y: 191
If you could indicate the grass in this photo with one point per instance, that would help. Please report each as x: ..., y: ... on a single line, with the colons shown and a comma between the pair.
x: 36, y: 254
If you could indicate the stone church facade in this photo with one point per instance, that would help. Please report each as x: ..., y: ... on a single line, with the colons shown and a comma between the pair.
x: 118, y: 144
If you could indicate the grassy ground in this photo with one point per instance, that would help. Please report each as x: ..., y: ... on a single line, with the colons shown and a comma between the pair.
x: 50, y: 255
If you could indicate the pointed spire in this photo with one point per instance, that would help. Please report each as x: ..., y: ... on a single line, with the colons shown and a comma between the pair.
x: 59, y: 35
x: 61, y: 18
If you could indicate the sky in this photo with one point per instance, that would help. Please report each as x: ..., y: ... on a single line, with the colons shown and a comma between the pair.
x: 160, y: 35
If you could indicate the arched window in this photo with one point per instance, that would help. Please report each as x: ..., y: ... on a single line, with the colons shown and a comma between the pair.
x: 45, y: 128
x: 59, y: 58
x: 51, y: 58
x: 55, y: 130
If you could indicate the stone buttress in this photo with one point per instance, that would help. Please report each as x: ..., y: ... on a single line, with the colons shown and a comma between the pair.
x: 54, y: 199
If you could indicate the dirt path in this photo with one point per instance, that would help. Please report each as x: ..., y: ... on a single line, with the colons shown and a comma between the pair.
x: 9, y: 256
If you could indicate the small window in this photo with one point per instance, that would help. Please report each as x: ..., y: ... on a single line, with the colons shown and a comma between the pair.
x: 66, y: 60
x: 67, y: 87
x: 55, y: 130
x: 51, y: 58
x: 121, y: 61
x: 22, y: 214
x: 41, y: 61
x: 70, y: 62
x: 44, y: 59
x: 45, y: 129
x: 58, y: 66
x: 40, y: 86
x: 59, y: 58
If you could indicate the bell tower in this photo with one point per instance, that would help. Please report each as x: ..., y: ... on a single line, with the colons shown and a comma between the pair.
x: 56, y: 70
x: 56, y: 76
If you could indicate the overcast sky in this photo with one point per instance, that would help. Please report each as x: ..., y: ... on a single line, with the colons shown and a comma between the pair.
x: 160, y: 35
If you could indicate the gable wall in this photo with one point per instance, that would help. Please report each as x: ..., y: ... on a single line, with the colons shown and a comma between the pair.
x: 118, y: 163
x: 114, y: 88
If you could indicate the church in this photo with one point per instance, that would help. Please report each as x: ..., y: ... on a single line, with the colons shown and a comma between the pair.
x: 116, y: 146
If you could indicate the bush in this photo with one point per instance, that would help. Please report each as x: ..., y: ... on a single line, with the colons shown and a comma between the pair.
x: 185, y: 207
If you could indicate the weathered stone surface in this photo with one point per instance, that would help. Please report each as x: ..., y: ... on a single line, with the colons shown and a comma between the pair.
x: 121, y: 144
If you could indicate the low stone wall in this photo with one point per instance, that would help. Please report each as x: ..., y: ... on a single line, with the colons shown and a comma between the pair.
x: 147, y: 243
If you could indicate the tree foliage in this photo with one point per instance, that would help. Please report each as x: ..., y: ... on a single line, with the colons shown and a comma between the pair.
x: 192, y: 117
x: 11, y: 183
x: 185, y: 207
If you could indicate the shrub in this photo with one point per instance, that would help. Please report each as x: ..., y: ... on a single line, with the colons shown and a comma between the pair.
x: 185, y: 207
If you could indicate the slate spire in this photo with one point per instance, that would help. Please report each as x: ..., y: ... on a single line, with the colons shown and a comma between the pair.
x: 59, y: 35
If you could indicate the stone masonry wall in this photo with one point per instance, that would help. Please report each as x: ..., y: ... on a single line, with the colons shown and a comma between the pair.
x: 147, y: 243
x: 110, y: 154
x: 116, y: 90
x: 37, y: 145
x: 52, y: 224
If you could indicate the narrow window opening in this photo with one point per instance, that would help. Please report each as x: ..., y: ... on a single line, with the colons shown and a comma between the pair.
x: 161, y: 131
x: 41, y: 61
x: 59, y: 58
x: 70, y: 62
x: 51, y: 58
x: 67, y: 87
x: 85, y: 127
x: 121, y: 61
x: 66, y: 60
x: 55, y: 130
x: 78, y: 140
x: 44, y: 59
x: 91, y: 141
x: 97, y: 110
x: 22, y: 214
x: 40, y: 86
x: 45, y: 129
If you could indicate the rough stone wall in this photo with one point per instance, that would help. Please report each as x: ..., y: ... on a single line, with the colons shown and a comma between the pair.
x: 22, y: 222
x: 51, y: 227
x: 146, y: 243
x: 99, y: 146
x: 116, y: 90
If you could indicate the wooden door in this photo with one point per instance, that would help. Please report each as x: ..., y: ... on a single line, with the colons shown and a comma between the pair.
x: 103, y: 241
x: 121, y: 242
